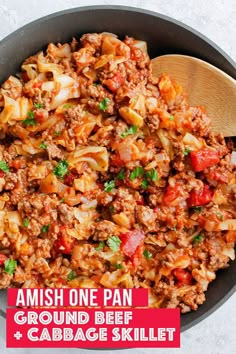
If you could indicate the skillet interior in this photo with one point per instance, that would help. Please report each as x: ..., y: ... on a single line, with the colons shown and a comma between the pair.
x: 164, y: 35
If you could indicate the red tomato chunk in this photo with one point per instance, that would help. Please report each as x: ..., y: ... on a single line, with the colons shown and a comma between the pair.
x: 200, y: 197
x: 182, y: 276
x: 114, y: 83
x: 64, y: 244
x: 204, y: 158
x: 3, y: 258
x: 130, y: 241
x: 171, y: 194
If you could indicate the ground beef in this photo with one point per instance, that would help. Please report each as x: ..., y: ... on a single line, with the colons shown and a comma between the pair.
x: 66, y: 213
x: 103, y: 230
x: 124, y: 206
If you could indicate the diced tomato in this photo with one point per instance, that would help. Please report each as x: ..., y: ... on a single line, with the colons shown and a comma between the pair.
x: 17, y: 164
x: 182, y: 276
x: 171, y: 194
x: 218, y: 176
x: 230, y: 236
x: 204, y: 158
x: 137, y: 256
x: 37, y: 85
x: 64, y: 244
x: 140, y: 201
x: 130, y: 241
x: 25, y: 76
x: 115, y: 82
x: 1, y: 173
x: 200, y: 197
x: 40, y: 116
x: 115, y: 160
x: 3, y: 258
x: 68, y: 180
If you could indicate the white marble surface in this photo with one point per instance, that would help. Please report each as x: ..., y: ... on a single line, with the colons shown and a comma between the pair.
x: 215, y: 19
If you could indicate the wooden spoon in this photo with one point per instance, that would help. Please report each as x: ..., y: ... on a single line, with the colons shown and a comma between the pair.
x: 205, y: 85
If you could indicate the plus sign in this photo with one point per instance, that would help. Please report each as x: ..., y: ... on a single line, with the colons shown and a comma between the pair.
x: 18, y: 335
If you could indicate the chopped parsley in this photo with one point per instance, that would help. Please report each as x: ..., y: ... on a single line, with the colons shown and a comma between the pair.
x: 197, y: 239
x: 25, y: 222
x: 197, y: 209
x: 38, y: 105
x: 45, y: 228
x: 43, y: 145
x: 100, y: 246
x: 30, y: 114
x: 117, y: 266
x: 103, y: 104
x: 71, y: 276
x: 137, y: 172
x: 112, y: 209
x: 171, y: 118
x: 30, y: 120
x: 61, y: 169
x: 62, y: 200
x: 108, y: 186
x: 130, y: 131
x: 114, y: 243
x: 68, y: 105
x: 121, y: 174
x: 145, y: 184
x: 57, y: 133
x: 10, y: 266
x: 187, y: 151
x: 147, y: 254
x: 220, y: 216
x: 152, y: 175
x: 3, y: 166
x: 95, y: 84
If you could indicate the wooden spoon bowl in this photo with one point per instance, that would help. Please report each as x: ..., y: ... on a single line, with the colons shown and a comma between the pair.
x: 205, y: 85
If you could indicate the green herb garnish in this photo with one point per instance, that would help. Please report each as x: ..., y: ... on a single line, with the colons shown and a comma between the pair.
x: 3, y: 166
x: 145, y: 184
x: 121, y: 174
x: 152, y: 175
x: 112, y: 209
x: 130, y: 131
x: 137, y: 172
x: 30, y: 120
x: 10, y: 266
x: 61, y: 169
x: 109, y: 185
x: 220, y: 216
x: 171, y: 118
x: 117, y: 266
x: 197, y: 239
x: 38, y: 105
x: 103, y: 104
x: 68, y: 105
x: 197, y: 209
x: 187, y: 151
x: 147, y: 254
x: 100, y: 246
x: 57, y: 133
x: 45, y: 228
x: 43, y: 145
x: 25, y: 222
x: 114, y: 243
x: 62, y: 200
x: 71, y: 276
